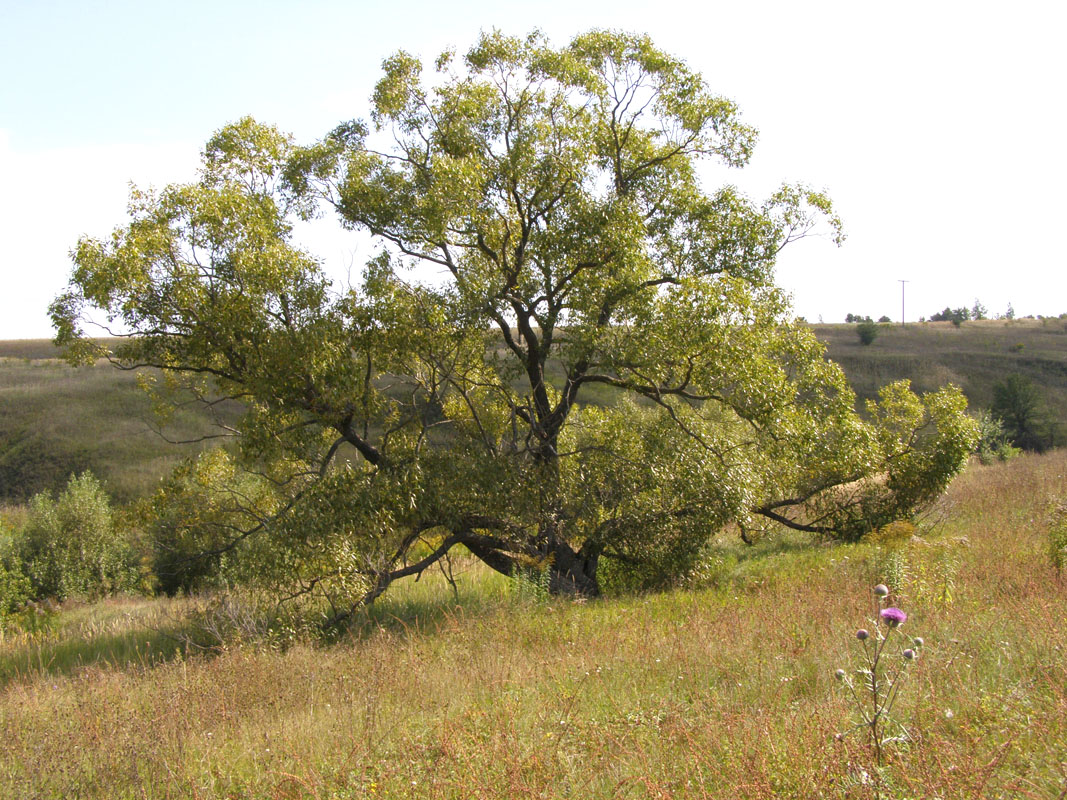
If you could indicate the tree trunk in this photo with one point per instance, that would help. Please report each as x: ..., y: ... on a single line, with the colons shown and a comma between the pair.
x: 573, y: 573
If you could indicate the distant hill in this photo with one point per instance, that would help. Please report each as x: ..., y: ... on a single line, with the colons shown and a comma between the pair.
x: 56, y: 420
x: 974, y: 356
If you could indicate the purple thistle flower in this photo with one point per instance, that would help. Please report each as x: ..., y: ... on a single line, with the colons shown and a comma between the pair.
x: 893, y: 616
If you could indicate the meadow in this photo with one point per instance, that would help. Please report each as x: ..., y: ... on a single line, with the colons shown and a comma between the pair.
x: 722, y: 689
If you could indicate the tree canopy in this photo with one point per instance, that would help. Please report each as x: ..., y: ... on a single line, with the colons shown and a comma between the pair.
x: 566, y: 352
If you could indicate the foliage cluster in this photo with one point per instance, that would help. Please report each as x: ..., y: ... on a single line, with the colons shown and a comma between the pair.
x: 71, y: 545
x: 867, y: 332
x: 994, y: 441
x: 956, y: 316
x: 15, y: 587
x: 1020, y: 408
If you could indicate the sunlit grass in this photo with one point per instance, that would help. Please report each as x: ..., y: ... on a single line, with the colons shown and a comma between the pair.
x: 485, y: 691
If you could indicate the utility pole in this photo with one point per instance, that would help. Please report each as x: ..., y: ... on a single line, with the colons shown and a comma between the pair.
x: 902, y: 282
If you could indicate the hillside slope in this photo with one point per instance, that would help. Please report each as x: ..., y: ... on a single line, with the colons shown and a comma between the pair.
x: 974, y: 356
x: 56, y: 420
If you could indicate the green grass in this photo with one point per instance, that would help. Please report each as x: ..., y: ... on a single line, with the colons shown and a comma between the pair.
x: 721, y: 691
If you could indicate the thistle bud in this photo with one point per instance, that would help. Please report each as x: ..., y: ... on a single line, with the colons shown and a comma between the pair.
x: 862, y: 634
x: 840, y: 674
x: 881, y: 590
x: 909, y: 654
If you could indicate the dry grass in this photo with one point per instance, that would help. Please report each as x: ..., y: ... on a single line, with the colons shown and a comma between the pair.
x: 974, y: 356
x: 56, y: 420
x: 724, y: 692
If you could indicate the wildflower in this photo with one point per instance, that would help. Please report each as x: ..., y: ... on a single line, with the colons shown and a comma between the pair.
x: 918, y: 641
x: 893, y: 616
x: 862, y: 634
x: 881, y: 590
x: 909, y: 654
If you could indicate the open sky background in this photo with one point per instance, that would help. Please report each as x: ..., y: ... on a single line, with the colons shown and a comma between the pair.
x: 938, y: 128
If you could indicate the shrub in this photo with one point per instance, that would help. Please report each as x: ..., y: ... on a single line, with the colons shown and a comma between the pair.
x: 994, y: 443
x: 1019, y: 406
x: 1057, y: 535
x: 195, y: 523
x: 867, y: 331
x: 14, y: 586
x: 71, y: 545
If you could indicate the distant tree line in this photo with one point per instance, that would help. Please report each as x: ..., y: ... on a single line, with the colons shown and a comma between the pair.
x: 860, y: 318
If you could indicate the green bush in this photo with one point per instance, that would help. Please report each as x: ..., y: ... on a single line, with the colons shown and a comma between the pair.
x: 195, y: 522
x: 1057, y: 535
x: 867, y: 331
x: 72, y: 547
x: 994, y: 444
x: 1021, y: 409
x: 14, y: 585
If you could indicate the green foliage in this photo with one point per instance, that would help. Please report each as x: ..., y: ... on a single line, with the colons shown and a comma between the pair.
x: 14, y: 585
x: 1057, y: 536
x: 994, y: 443
x: 191, y: 519
x: 1018, y: 404
x: 72, y: 545
x: 867, y: 332
x: 954, y: 315
x: 556, y: 192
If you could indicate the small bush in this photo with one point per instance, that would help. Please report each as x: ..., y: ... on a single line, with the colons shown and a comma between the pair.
x: 1057, y: 536
x: 72, y: 547
x: 14, y: 585
x: 994, y: 443
x: 867, y: 331
x: 194, y: 520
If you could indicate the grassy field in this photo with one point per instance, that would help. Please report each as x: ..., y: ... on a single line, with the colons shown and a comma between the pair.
x: 56, y: 420
x: 725, y: 691
x: 974, y: 356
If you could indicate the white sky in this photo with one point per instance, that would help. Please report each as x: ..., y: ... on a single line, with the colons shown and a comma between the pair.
x: 938, y: 128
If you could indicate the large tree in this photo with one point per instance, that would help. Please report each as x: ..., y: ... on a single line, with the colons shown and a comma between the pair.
x: 567, y: 351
